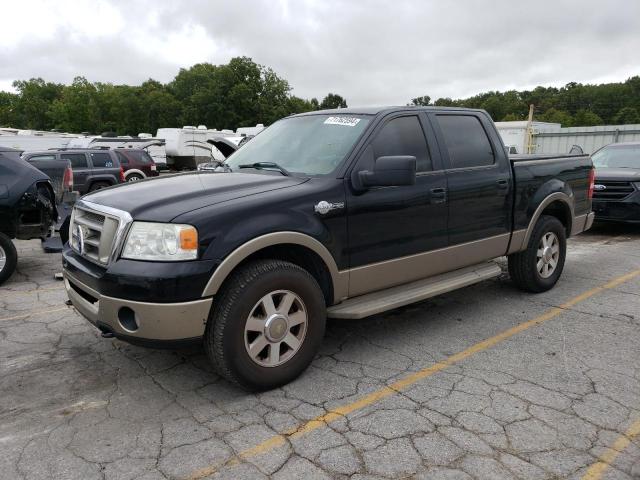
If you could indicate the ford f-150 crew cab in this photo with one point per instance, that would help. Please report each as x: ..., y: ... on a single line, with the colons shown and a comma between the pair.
x: 341, y: 213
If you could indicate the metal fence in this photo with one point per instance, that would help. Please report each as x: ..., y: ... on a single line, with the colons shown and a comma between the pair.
x: 589, y: 139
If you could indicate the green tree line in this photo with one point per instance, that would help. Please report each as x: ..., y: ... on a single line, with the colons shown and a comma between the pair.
x: 240, y: 93
x: 574, y: 105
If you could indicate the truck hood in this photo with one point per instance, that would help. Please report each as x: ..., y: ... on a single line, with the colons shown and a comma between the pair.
x: 162, y: 199
x: 619, y: 174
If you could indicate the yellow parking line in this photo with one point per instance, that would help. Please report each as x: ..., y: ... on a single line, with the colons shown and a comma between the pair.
x: 596, y: 470
x: 402, y: 384
x: 34, y: 312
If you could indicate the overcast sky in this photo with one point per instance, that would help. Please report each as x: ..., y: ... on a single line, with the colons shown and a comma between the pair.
x: 371, y: 52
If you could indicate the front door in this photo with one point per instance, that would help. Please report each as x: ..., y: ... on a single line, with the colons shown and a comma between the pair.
x: 388, y: 226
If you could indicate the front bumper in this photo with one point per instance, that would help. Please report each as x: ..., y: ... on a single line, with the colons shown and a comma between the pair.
x: 627, y: 210
x: 139, y: 322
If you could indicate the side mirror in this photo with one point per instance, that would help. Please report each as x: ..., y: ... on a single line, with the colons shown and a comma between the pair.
x: 392, y: 171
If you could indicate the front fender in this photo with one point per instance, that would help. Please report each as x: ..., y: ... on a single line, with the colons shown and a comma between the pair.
x: 231, y: 231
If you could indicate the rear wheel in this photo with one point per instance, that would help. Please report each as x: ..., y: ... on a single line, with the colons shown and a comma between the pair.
x: 8, y: 258
x: 538, y: 268
x: 134, y: 177
x: 98, y: 186
x: 266, y: 324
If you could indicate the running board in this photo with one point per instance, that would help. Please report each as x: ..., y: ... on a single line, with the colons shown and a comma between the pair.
x: 394, y: 297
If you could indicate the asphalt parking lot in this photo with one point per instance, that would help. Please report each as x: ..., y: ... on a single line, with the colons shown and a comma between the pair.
x: 484, y: 383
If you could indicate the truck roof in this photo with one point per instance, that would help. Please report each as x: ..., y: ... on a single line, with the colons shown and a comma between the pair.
x: 387, y: 109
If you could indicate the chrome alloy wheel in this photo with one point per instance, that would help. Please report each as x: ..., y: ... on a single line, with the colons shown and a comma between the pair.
x: 547, y: 254
x: 275, y: 328
x: 3, y: 259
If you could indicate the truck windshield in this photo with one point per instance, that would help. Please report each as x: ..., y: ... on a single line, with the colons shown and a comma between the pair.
x: 617, y: 157
x: 307, y: 145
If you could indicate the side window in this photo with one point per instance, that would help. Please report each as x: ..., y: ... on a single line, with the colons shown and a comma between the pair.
x: 78, y: 160
x: 466, y: 141
x: 123, y: 159
x: 43, y: 157
x: 403, y: 136
x: 101, y: 160
x: 140, y: 156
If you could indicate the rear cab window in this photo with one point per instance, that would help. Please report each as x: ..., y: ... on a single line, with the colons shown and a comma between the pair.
x: 102, y: 160
x: 466, y: 141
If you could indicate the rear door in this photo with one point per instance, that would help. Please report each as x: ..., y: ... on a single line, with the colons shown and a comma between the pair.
x: 388, y: 225
x: 80, y: 169
x: 479, y: 181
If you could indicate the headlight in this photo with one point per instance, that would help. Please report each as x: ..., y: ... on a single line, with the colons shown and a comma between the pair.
x: 161, y: 242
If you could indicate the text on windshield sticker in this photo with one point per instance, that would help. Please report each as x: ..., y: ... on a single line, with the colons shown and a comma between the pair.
x: 344, y: 121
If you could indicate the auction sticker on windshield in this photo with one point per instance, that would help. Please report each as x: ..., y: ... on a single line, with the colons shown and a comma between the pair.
x: 345, y: 121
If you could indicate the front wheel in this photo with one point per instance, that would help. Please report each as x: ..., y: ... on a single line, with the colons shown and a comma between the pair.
x: 8, y: 258
x: 538, y: 268
x: 266, y: 324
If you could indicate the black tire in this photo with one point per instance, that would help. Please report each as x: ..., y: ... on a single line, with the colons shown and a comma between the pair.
x: 98, y: 186
x: 224, y: 338
x: 523, y: 265
x: 10, y: 258
x: 134, y: 177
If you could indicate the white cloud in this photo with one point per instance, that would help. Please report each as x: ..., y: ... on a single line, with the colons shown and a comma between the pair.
x: 374, y: 52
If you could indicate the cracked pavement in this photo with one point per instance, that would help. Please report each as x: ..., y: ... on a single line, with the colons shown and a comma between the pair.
x: 545, y: 403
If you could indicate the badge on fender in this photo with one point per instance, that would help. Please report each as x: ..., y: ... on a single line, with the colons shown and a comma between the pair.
x: 325, y: 207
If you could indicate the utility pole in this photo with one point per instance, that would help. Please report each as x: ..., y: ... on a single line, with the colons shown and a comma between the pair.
x: 529, y: 133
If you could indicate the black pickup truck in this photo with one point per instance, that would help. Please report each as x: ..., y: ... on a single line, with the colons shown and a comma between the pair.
x: 342, y: 213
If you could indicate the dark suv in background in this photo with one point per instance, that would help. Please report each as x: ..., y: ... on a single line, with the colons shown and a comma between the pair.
x: 616, y: 195
x: 93, y: 169
x: 136, y: 163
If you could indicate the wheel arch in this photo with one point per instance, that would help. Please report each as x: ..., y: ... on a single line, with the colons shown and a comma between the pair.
x: 298, y: 248
x: 93, y: 180
x: 557, y: 204
x: 131, y: 171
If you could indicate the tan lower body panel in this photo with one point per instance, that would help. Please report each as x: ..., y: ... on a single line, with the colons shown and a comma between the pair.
x: 582, y: 223
x: 156, y: 321
x: 377, y: 302
x: 377, y: 276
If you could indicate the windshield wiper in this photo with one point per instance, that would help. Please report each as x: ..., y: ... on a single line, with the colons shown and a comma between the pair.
x: 266, y: 165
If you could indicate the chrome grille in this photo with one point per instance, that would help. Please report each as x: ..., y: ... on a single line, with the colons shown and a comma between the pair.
x: 94, y: 234
x: 612, y: 190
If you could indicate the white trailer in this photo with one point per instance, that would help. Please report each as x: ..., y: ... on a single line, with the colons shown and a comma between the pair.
x: 514, y: 134
x: 189, y: 146
x: 31, y: 140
